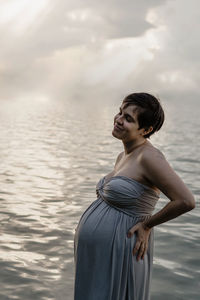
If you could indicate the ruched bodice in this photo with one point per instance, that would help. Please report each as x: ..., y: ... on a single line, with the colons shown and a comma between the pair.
x: 105, y: 268
x: 127, y: 194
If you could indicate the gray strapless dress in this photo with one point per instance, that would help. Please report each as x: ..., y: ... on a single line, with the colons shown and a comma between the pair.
x: 105, y: 268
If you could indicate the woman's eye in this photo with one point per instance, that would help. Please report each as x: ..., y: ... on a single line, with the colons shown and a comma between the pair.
x: 127, y: 117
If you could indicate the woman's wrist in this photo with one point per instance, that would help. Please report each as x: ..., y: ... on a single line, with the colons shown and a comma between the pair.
x: 146, y: 226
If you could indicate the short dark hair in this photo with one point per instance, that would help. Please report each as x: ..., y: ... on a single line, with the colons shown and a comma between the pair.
x: 150, y: 111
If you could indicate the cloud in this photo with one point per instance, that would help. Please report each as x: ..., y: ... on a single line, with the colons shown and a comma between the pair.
x: 91, y: 49
x: 174, y: 68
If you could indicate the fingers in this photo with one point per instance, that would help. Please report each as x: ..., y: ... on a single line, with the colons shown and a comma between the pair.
x: 141, y: 244
x: 144, y: 253
x: 141, y: 249
x: 132, y: 230
x: 137, y: 247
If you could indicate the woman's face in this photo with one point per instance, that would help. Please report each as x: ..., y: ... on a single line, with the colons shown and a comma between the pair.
x: 126, y: 123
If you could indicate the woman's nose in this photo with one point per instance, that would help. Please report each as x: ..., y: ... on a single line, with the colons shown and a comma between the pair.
x: 119, y: 120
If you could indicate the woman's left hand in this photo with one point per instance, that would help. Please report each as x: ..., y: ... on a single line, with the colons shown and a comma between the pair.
x: 141, y: 244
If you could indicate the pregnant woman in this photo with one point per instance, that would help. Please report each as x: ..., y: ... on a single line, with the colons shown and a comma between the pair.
x: 113, y: 242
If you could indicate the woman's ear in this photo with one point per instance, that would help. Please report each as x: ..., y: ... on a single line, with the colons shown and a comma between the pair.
x: 146, y: 131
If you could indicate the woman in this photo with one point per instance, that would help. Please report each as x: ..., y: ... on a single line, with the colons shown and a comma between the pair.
x: 113, y: 244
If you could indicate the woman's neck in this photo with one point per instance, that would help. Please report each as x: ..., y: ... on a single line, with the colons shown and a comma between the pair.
x: 129, y: 147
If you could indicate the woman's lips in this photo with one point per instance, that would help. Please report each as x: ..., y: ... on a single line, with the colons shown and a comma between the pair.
x: 118, y: 128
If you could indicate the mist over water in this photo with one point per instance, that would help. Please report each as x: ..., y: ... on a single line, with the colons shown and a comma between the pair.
x: 52, y: 156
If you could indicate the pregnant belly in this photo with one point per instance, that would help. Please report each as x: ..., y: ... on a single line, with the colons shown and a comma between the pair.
x: 96, y: 225
x: 101, y: 224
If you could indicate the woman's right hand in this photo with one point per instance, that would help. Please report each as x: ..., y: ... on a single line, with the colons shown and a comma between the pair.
x: 141, y: 244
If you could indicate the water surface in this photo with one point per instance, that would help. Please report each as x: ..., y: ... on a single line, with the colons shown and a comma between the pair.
x: 52, y: 156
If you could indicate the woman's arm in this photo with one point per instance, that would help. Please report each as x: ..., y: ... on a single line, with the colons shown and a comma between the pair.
x: 158, y: 171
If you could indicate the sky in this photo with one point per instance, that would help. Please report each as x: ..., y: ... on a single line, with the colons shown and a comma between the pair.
x: 99, y: 50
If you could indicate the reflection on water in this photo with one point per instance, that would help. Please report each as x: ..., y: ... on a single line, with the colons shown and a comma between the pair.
x: 52, y: 157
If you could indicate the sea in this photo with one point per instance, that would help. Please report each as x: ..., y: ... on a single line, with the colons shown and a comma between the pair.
x: 53, y: 153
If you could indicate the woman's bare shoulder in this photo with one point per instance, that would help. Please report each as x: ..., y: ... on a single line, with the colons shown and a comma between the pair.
x: 150, y: 151
x: 161, y: 174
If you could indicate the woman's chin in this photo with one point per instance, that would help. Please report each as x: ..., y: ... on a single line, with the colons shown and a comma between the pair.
x: 115, y: 134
